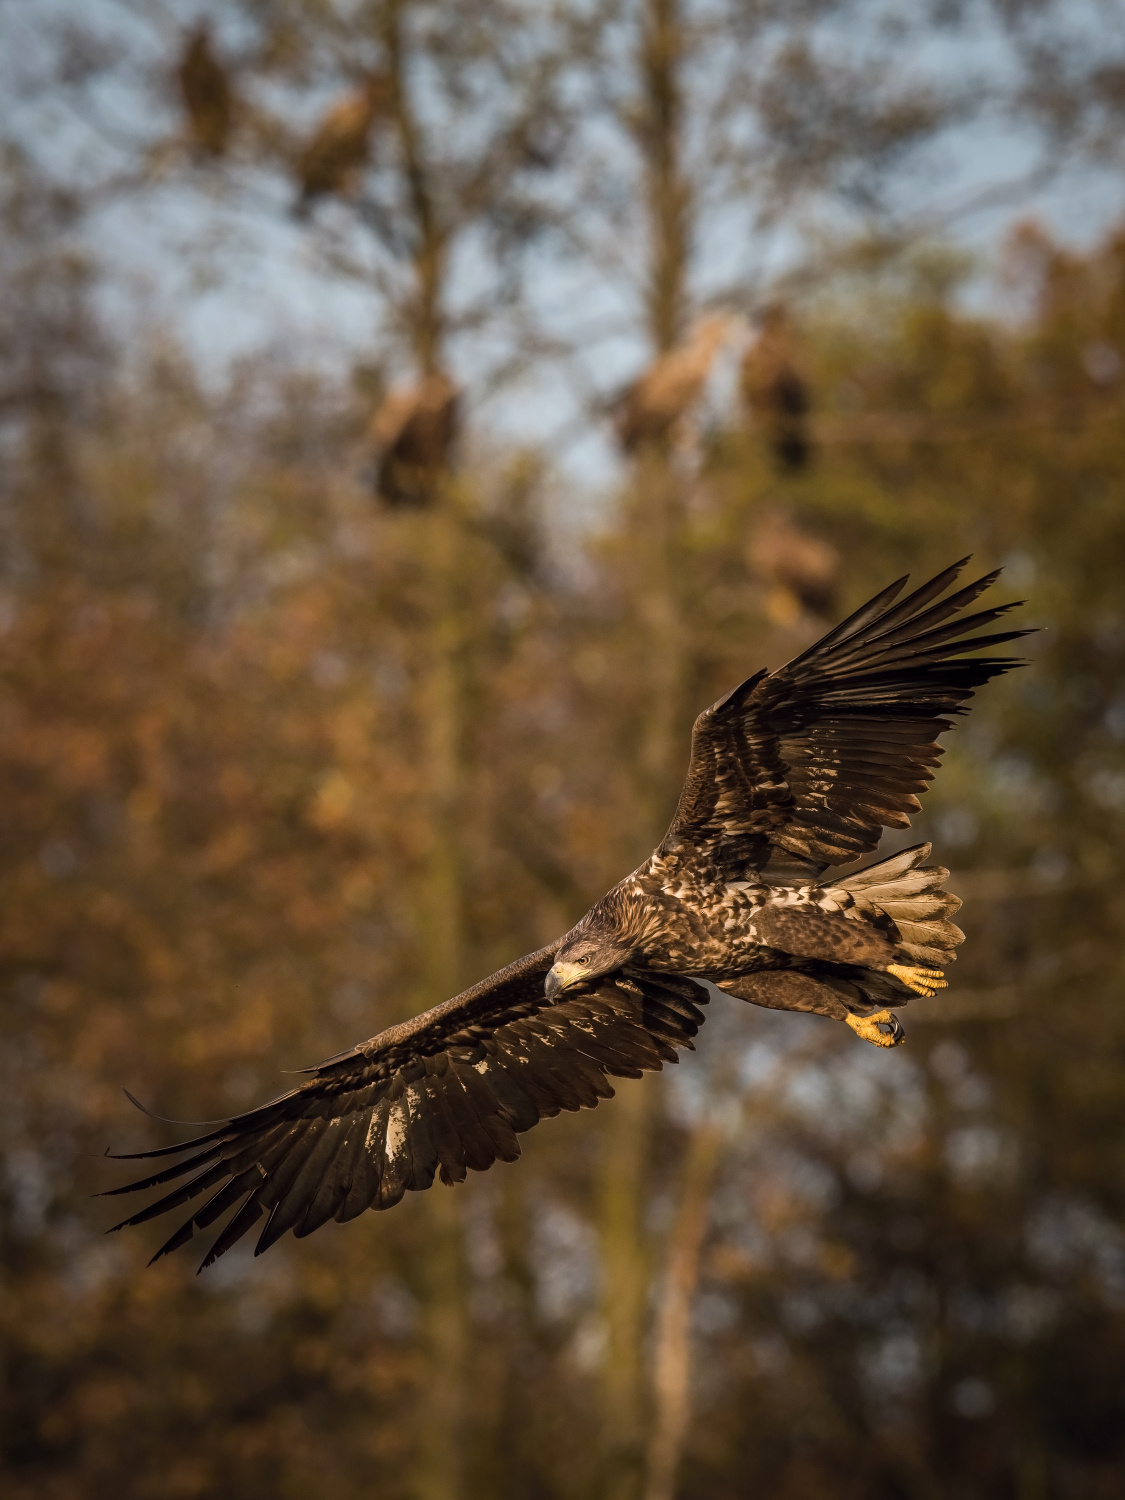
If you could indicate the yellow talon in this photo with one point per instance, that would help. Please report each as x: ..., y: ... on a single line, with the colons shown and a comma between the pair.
x: 881, y: 1030
x: 922, y: 981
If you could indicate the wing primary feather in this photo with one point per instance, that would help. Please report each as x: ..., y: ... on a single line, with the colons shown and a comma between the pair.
x: 362, y: 1188
x: 928, y: 627
x: 293, y: 1203
x: 216, y: 1137
x: 325, y: 1205
x: 207, y: 1178
x: 243, y: 1221
x: 335, y: 1182
x: 910, y: 613
x: 301, y: 1164
x: 169, y: 1175
x: 303, y: 1143
x: 855, y: 622
x: 981, y: 643
x: 226, y: 1198
x: 267, y: 1236
x: 180, y: 1237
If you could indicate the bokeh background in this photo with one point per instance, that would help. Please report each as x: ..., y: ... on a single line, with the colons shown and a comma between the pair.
x: 411, y: 415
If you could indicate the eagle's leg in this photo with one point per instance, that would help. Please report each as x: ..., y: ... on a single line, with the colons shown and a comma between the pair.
x: 882, y: 1029
x: 922, y: 981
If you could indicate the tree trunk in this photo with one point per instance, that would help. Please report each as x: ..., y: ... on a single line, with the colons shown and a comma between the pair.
x: 438, y: 1464
x: 672, y: 1363
x: 438, y: 1467
x: 667, y: 190
x: 624, y: 1288
x: 424, y: 312
x: 655, y: 524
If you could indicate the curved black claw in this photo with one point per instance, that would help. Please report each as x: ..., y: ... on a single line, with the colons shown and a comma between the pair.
x: 883, y: 1029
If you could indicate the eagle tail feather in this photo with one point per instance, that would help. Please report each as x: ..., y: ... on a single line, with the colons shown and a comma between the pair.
x: 910, y: 894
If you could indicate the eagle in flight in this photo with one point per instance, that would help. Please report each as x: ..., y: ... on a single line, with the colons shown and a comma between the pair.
x: 792, y: 772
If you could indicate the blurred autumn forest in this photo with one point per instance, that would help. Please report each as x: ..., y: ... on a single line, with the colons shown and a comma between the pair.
x: 321, y: 699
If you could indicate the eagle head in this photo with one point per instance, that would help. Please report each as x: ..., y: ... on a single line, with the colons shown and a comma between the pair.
x: 583, y: 960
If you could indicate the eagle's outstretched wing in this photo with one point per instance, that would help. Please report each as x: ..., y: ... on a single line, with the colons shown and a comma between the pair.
x: 804, y: 767
x: 444, y: 1092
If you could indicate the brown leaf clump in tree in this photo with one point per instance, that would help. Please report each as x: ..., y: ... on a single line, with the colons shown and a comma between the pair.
x: 801, y: 569
x: 776, y: 392
x: 649, y: 409
x: 340, y: 146
x: 413, y: 431
x: 206, y: 94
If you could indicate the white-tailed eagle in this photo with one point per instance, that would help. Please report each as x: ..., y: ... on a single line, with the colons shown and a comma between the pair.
x: 791, y: 773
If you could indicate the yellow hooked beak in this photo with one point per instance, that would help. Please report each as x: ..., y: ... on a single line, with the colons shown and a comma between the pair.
x: 564, y: 977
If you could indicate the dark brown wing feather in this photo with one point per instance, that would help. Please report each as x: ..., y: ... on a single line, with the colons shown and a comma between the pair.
x: 804, y: 767
x: 445, y: 1092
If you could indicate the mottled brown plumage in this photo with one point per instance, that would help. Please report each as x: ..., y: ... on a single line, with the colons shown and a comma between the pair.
x: 790, y: 773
